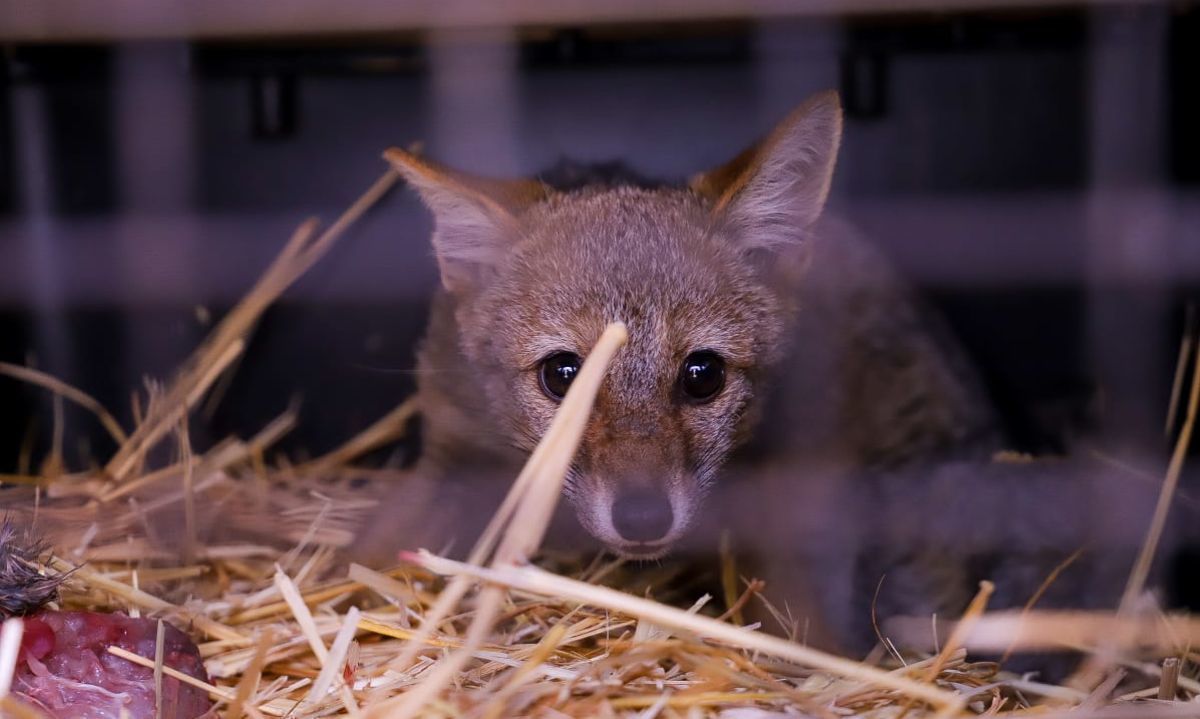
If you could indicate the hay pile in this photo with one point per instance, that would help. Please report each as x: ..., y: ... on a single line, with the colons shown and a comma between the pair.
x: 288, y: 628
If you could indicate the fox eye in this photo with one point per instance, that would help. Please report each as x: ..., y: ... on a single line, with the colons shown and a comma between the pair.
x: 557, y: 372
x: 702, y: 376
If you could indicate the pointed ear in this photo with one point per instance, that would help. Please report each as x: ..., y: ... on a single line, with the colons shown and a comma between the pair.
x: 770, y: 194
x: 475, y: 218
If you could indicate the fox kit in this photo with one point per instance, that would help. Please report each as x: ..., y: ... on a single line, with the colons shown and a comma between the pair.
x: 753, y: 322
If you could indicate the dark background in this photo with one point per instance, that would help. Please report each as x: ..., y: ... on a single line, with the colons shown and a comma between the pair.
x: 1034, y: 171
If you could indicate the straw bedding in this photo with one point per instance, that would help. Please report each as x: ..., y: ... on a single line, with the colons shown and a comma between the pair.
x: 287, y: 627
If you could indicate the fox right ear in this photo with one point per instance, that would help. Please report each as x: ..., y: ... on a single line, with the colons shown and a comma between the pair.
x: 475, y: 218
x: 771, y: 193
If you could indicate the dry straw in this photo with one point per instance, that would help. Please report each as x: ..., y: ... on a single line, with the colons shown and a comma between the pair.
x: 288, y: 628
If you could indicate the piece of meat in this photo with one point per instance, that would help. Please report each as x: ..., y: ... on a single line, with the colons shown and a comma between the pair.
x: 64, y: 668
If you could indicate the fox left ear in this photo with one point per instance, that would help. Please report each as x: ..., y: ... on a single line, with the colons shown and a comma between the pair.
x: 475, y: 218
x: 770, y: 194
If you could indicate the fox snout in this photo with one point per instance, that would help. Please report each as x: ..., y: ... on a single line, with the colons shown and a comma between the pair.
x: 643, y: 515
x: 634, y: 493
x: 640, y: 522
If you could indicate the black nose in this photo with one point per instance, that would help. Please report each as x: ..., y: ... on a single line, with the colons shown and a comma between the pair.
x: 642, y: 515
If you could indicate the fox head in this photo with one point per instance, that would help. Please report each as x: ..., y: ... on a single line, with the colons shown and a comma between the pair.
x: 535, y: 276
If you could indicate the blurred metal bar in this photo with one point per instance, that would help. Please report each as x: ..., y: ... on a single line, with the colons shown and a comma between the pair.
x: 1129, y: 219
x: 795, y: 60
x: 57, y: 20
x: 473, y: 108
x: 156, y: 173
x: 43, y: 254
x: 155, y: 127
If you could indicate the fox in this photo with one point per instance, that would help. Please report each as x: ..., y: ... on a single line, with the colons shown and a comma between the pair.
x: 710, y: 278
x: 766, y: 338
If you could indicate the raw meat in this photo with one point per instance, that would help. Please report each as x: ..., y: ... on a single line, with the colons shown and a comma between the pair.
x: 64, y: 668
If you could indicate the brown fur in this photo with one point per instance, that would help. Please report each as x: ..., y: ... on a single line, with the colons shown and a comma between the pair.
x: 819, y: 337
